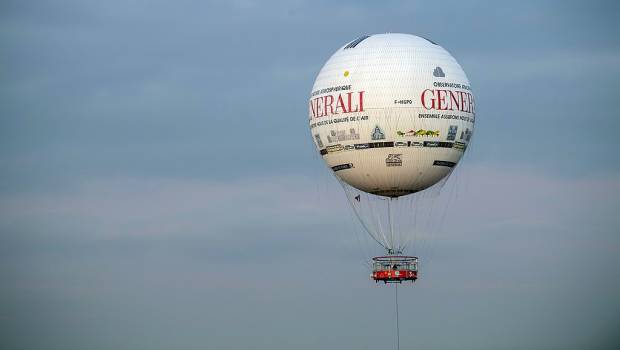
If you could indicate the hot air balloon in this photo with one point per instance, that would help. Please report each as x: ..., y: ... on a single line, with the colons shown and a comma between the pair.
x: 391, y: 115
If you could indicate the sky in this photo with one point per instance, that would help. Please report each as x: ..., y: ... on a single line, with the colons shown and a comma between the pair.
x: 159, y: 186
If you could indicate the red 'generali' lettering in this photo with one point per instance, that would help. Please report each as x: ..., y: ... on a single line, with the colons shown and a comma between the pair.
x: 448, y: 100
x: 349, y: 102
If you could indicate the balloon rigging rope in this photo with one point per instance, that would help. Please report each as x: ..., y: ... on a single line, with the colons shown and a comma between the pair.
x: 452, y: 196
x: 376, y: 208
x: 358, y: 233
x: 360, y: 219
x: 391, y: 224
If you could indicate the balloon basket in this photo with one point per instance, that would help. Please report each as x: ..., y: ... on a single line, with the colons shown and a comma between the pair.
x: 394, y: 269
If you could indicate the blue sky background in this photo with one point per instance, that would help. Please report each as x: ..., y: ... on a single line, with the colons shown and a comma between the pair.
x: 160, y: 189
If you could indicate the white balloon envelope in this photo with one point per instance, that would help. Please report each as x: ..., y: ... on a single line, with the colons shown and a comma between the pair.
x: 391, y: 114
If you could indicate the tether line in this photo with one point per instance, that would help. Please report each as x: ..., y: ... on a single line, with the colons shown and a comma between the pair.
x: 397, y: 327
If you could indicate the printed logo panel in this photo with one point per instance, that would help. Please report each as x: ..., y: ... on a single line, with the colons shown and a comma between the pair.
x: 444, y: 163
x: 394, y: 160
x: 342, y: 167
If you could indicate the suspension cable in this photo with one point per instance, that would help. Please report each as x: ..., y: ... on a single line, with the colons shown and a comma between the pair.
x: 397, y: 326
x: 391, y: 223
